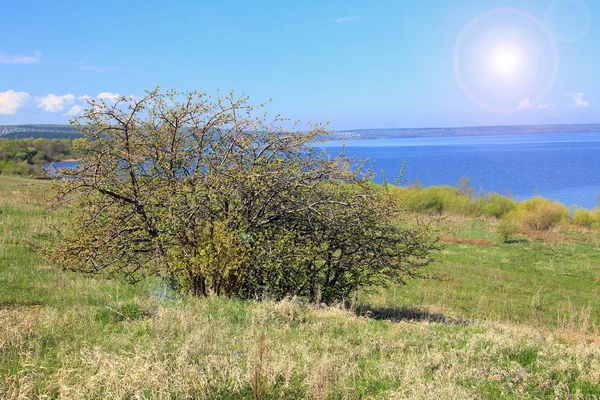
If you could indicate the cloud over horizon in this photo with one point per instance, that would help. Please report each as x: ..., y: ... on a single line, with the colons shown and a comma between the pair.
x: 54, y: 103
x: 11, y: 101
x: 108, y: 96
x: 73, y: 111
x: 68, y: 105
x: 578, y: 100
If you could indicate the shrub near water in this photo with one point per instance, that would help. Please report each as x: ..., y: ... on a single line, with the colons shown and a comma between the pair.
x: 12, y: 167
x: 586, y: 218
x: 534, y: 214
x: 437, y: 199
x: 495, y: 205
x: 538, y: 214
x: 441, y: 199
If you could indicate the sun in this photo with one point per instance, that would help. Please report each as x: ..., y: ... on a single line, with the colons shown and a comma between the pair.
x: 505, y: 61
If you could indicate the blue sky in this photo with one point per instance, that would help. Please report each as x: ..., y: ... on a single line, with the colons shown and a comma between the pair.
x: 356, y: 64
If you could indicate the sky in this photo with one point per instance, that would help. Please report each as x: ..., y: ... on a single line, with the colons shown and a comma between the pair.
x: 353, y: 64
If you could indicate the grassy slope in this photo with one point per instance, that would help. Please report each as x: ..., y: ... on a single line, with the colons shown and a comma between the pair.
x: 70, y: 336
x: 549, y: 279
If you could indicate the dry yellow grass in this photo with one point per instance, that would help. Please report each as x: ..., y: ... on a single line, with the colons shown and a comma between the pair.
x: 67, y: 336
x: 205, y: 349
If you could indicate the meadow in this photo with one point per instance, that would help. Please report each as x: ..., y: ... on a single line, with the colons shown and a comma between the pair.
x: 500, y: 319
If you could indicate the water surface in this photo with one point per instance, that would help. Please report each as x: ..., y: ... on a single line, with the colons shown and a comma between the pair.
x: 564, y: 167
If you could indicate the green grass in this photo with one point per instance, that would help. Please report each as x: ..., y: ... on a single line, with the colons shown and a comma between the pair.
x: 552, y: 279
x: 514, y: 320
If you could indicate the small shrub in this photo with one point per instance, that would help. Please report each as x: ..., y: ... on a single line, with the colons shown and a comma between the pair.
x: 427, y: 199
x: 505, y: 229
x: 586, y: 218
x: 495, y: 205
x: 12, y: 167
x: 436, y: 199
x: 538, y: 214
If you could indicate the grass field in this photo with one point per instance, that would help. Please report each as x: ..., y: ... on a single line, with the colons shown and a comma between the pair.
x: 503, y: 320
x: 549, y: 279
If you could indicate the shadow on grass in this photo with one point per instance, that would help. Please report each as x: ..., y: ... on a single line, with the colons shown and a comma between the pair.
x: 511, y: 241
x: 14, y: 304
x: 397, y: 314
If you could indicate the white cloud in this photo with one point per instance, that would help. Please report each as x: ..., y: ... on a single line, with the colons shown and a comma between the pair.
x: 345, y: 19
x: 524, y: 104
x: 54, y: 103
x: 75, y: 110
x: 545, y: 106
x: 577, y: 99
x: 109, y: 96
x: 85, y: 97
x: 19, y: 59
x: 11, y: 101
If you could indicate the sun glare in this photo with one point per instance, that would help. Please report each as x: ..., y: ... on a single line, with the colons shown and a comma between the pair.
x: 505, y: 62
x: 503, y: 57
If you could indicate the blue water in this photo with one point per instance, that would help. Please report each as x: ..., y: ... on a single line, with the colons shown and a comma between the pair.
x: 563, y: 167
x: 61, y: 164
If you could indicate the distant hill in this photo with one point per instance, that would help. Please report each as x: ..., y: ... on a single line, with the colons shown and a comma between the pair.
x: 38, y: 131
x: 67, y: 132
x: 394, y: 133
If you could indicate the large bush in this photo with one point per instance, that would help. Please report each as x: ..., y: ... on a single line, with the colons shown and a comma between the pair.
x: 216, y: 200
x: 538, y: 214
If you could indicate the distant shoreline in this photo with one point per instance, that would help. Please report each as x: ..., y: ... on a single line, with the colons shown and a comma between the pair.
x: 67, y: 132
x: 405, y: 133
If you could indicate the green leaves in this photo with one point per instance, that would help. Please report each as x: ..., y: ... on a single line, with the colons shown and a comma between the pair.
x: 205, y: 193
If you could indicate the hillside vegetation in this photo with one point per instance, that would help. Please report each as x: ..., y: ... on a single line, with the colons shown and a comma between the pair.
x: 26, y: 156
x: 50, y: 131
x: 513, y: 319
x: 44, y: 131
x: 397, y: 133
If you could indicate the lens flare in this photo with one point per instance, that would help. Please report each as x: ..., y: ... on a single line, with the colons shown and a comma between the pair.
x: 503, y: 57
x: 569, y: 20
